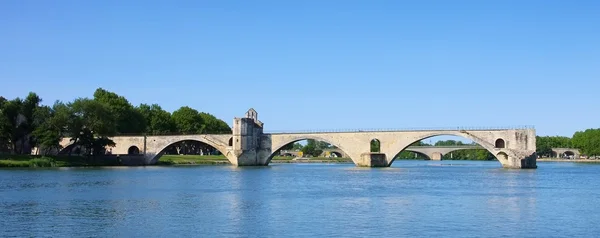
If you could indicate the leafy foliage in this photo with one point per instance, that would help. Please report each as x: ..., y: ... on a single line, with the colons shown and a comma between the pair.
x: 375, y: 146
x: 128, y: 119
x: 588, y: 141
x: 188, y: 121
x: 212, y: 125
x: 409, y: 155
x: 544, y: 144
x: 158, y: 121
x: 90, y: 122
x: 449, y: 143
x: 314, y: 148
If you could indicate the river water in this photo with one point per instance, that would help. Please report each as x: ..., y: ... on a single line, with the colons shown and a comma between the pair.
x: 411, y: 198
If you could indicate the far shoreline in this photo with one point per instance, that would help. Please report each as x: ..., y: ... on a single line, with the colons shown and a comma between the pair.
x: 33, y: 161
x: 568, y: 160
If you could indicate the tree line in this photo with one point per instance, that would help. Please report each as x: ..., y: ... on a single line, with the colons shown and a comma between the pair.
x: 587, y: 142
x: 313, y: 148
x: 89, y: 122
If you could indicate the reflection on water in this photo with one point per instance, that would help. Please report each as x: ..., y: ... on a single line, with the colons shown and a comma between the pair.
x: 411, y: 198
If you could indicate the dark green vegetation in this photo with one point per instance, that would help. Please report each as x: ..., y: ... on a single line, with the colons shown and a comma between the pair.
x: 588, y: 143
x: 469, y: 154
x: 313, y: 148
x: 26, y: 124
x: 54, y: 161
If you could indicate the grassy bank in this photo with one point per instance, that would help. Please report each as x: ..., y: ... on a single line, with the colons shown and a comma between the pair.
x: 53, y: 161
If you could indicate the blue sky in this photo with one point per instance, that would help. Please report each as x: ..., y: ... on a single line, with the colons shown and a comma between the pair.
x: 318, y: 64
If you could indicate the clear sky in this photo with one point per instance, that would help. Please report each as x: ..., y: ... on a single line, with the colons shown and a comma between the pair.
x: 318, y: 64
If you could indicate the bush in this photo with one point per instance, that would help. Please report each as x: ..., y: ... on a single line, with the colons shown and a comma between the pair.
x: 42, y: 162
x: 13, y: 163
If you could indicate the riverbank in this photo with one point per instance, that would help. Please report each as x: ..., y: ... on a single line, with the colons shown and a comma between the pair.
x: 34, y: 161
x: 37, y: 161
x: 569, y: 160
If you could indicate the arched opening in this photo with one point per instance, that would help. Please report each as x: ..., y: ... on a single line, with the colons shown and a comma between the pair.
x: 133, y: 150
x: 335, y: 154
x: 230, y: 141
x: 449, y: 146
x: 569, y: 155
x: 190, y: 152
x: 502, y: 156
x: 307, y: 149
x: 499, y: 143
x: 375, y: 146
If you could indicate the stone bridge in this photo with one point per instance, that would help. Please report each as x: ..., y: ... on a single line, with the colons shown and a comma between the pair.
x: 249, y: 146
x: 430, y: 152
x: 571, y: 153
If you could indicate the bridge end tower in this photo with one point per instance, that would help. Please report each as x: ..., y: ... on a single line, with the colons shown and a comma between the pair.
x: 247, y: 134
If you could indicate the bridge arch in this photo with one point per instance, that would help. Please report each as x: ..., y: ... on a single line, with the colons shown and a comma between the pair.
x: 489, y: 146
x: 275, y: 148
x: 502, y: 156
x: 133, y: 150
x: 164, y: 145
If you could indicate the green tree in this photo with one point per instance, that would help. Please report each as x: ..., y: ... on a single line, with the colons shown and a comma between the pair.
x: 12, y: 123
x: 375, y: 145
x: 49, y: 128
x: 448, y: 143
x: 469, y: 154
x: 297, y: 146
x: 588, y: 141
x: 5, y: 129
x: 409, y: 155
x: 311, y: 148
x: 420, y: 143
x: 292, y: 146
x: 188, y: 121
x: 213, y: 125
x: 289, y: 146
x: 128, y: 119
x: 323, y: 145
x: 91, y: 124
x: 28, y: 108
x: 544, y: 144
x: 158, y: 120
